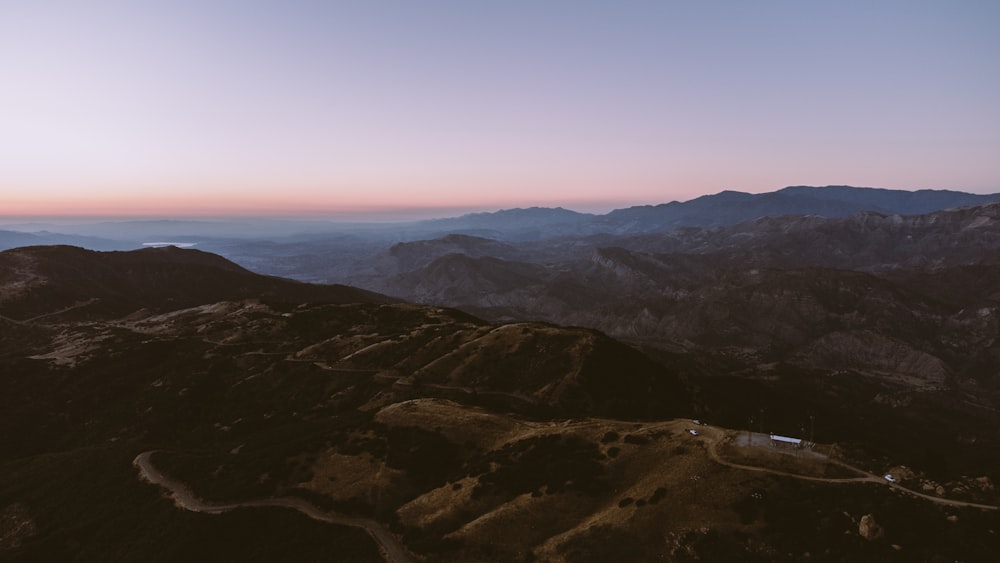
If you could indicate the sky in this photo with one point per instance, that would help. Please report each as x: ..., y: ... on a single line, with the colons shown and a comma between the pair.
x: 295, y: 107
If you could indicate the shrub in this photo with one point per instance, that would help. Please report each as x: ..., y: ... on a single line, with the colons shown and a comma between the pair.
x: 660, y: 494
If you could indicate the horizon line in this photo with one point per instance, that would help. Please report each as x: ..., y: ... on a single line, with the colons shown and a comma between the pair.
x: 393, y: 213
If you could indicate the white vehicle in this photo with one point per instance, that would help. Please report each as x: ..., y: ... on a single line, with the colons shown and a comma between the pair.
x: 692, y: 432
x: 890, y: 478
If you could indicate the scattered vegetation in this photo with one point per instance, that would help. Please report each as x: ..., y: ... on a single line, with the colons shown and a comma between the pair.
x: 550, y: 464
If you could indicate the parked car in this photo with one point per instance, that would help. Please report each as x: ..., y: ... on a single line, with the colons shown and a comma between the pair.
x: 890, y: 478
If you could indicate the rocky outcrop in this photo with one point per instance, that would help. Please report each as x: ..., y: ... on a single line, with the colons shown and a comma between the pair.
x: 869, y: 529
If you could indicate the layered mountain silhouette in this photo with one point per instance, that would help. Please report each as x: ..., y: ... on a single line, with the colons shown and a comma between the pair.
x: 503, y: 391
x: 885, y: 305
x: 775, y: 288
x: 730, y: 207
x: 721, y: 209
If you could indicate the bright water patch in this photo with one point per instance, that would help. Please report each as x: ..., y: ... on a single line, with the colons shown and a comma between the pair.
x: 162, y: 244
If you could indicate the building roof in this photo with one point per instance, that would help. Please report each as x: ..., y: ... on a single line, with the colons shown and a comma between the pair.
x: 777, y: 438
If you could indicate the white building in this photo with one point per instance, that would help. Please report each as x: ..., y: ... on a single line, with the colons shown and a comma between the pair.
x: 785, y: 441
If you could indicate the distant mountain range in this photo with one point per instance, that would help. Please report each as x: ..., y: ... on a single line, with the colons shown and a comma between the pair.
x: 906, y: 306
x: 230, y: 236
x: 14, y: 239
x: 722, y: 209
x: 653, y: 287
x: 461, y: 388
x: 729, y: 207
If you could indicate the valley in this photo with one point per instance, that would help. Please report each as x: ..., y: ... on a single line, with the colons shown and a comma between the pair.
x: 520, y: 396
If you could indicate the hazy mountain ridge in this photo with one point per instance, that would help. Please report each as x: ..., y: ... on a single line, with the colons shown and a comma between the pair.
x: 729, y: 207
x: 364, y: 258
x: 520, y: 225
x: 328, y: 251
x: 516, y: 224
x: 907, y: 301
x: 721, y: 209
x: 15, y: 239
x: 796, y: 290
x: 452, y: 431
x: 865, y: 241
x: 626, y: 302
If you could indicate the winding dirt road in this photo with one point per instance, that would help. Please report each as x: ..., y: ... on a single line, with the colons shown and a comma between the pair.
x: 394, y: 552
x: 184, y: 498
x: 714, y: 435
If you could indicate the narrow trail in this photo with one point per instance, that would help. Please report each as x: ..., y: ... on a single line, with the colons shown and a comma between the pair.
x: 391, y: 549
x: 714, y: 435
x: 14, y: 321
x: 468, y: 391
x: 72, y: 307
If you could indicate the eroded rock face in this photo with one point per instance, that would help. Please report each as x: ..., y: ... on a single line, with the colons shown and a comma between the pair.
x: 908, y: 298
x: 869, y: 528
x: 867, y: 350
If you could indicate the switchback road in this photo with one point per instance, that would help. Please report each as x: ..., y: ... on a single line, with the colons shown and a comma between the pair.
x: 184, y: 497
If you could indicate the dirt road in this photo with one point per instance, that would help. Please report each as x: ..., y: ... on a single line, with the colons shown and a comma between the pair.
x: 184, y: 497
x: 714, y: 435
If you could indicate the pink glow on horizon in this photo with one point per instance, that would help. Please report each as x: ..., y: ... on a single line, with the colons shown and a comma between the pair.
x: 359, y: 108
x: 371, y: 202
x: 263, y: 202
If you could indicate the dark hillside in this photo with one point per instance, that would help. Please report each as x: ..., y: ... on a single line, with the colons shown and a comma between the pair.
x: 63, y: 280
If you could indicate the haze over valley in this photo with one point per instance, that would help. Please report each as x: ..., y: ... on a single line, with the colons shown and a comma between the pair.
x: 526, y: 384
x: 565, y: 281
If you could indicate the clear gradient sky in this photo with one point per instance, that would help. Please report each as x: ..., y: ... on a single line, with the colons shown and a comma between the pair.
x: 209, y: 107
